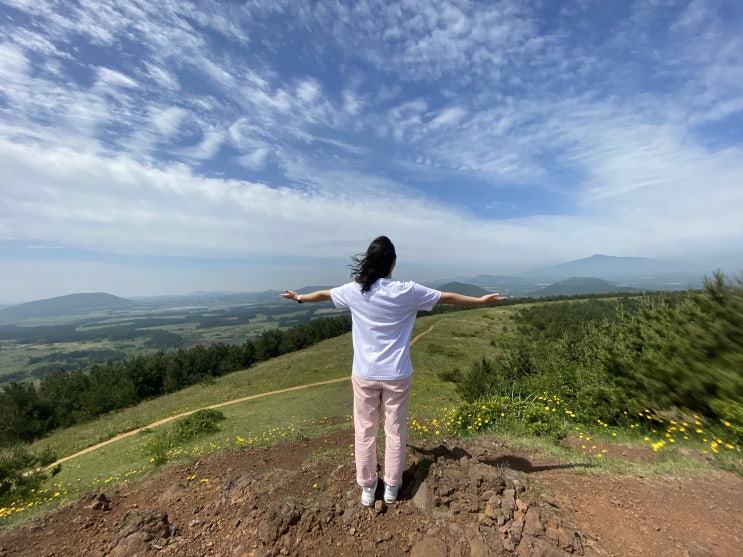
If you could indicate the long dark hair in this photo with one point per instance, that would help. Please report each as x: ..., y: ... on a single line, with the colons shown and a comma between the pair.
x: 376, y: 263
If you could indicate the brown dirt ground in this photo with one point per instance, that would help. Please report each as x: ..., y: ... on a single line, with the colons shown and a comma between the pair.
x: 474, y: 498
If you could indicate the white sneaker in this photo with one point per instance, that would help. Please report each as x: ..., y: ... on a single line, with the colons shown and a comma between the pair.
x: 367, y: 494
x: 390, y: 493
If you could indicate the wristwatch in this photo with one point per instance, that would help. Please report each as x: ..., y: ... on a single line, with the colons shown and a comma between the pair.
x: 299, y: 299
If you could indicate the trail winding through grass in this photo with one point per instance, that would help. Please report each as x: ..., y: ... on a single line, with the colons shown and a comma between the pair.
x: 219, y: 405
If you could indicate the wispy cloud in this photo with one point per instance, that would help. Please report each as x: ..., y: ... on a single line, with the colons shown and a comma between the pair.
x: 272, y: 129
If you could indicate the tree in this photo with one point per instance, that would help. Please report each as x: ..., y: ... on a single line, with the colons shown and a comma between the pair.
x: 63, y: 391
x: 147, y: 374
x: 24, y: 415
x: 108, y: 389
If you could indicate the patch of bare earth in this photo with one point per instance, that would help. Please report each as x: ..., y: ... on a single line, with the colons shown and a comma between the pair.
x: 459, y: 498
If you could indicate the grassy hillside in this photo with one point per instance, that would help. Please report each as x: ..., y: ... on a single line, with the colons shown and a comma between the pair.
x: 449, y: 341
x: 456, y: 339
x: 506, y: 369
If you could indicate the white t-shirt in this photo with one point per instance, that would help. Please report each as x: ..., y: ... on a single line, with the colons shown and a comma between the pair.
x: 383, y: 320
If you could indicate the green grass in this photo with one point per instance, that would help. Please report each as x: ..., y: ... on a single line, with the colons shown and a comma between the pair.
x: 328, y: 360
x: 261, y: 421
x: 292, y: 415
x: 467, y: 334
x: 299, y: 414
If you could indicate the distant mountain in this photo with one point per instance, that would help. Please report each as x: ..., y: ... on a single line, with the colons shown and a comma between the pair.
x: 464, y: 289
x: 612, y: 268
x: 496, y: 281
x: 67, y: 305
x: 504, y: 284
x: 580, y: 285
x: 308, y: 289
x: 632, y: 272
x: 209, y: 299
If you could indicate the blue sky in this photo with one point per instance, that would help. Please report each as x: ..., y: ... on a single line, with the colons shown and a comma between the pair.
x: 167, y: 146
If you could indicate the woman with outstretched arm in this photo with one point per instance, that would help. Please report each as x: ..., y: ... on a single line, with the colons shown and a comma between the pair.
x: 383, y: 312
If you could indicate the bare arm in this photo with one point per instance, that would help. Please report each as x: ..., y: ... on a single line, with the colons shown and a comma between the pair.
x: 462, y: 300
x: 317, y: 296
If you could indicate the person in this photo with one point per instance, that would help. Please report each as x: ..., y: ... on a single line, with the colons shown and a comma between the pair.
x: 383, y: 312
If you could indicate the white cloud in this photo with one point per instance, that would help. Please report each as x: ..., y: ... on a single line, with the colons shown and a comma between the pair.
x: 13, y: 65
x: 169, y: 211
x: 308, y: 90
x: 255, y: 160
x: 371, y: 117
x: 111, y: 79
x: 161, y: 76
x: 447, y: 117
x: 406, y: 120
x: 352, y: 104
x: 167, y: 121
x: 211, y: 141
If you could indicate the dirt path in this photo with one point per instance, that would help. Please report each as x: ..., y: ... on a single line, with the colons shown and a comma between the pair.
x: 184, y: 414
x: 213, y: 406
x: 459, y: 497
x: 412, y: 342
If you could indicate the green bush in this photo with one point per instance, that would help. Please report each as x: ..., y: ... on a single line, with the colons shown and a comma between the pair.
x: 448, y: 351
x: 193, y: 426
x: 158, y: 447
x: 685, y: 354
x: 731, y: 417
x: 533, y: 416
x: 679, y: 351
x: 21, y: 473
x: 451, y: 376
x: 198, y: 424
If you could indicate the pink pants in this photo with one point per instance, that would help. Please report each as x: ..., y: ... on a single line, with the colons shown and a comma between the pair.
x: 369, y: 398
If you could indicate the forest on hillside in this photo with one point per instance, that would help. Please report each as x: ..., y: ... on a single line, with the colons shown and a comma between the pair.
x: 30, y: 410
x: 672, y: 358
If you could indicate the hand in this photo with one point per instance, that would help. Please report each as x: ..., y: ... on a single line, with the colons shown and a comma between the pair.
x: 492, y: 298
x: 289, y: 295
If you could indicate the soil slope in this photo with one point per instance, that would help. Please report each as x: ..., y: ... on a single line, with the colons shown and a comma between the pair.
x: 471, y: 499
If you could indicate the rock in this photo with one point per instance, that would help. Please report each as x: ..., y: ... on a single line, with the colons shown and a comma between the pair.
x: 145, y: 529
x: 485, y: 478
x: 533, y: 524
x: 422, y: 499
x: 515, y: 533
x: 279, y: 517
x: 133, y: 544
x: 430, y: 546
x: 172, y: 494
x: 98, y: 502
x: 478, y: 547
x: 538, y: 547
x: 493, y: 508
x: 699, y: 549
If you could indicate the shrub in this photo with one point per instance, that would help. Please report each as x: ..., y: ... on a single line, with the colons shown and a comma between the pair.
x: 451, y: 376
x: 533, y: 416
x: 684, y: 353
x: 193, y: 426
x: 20, y: 473
x: 198, y: 424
